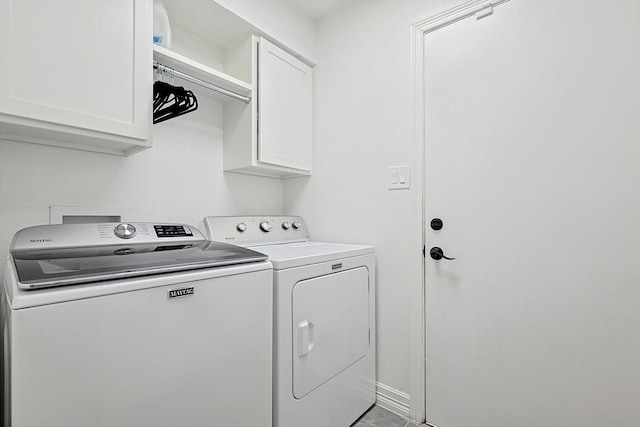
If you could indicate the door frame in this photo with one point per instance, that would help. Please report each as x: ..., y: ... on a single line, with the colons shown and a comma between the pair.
x: 417, y: 293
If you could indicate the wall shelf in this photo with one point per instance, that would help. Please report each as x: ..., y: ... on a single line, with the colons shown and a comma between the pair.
x: 207, y: 74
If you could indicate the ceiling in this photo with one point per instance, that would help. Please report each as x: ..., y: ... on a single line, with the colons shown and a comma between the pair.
x: 316, y: 8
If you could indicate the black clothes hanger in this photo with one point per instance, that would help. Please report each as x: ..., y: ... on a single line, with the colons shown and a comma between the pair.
x: 171, y: 101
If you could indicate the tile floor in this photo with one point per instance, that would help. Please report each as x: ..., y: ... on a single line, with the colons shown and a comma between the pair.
x: 378, y: 417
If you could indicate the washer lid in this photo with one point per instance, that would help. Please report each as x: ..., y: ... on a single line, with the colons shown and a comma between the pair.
x: 67, y: 254
x: 57, y: 267
x: 289, y: 255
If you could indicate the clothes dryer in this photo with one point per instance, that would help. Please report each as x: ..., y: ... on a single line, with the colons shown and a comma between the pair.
x: 324, y: 320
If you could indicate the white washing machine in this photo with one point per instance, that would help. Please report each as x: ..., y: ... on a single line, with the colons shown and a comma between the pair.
x: 134, y: 325
x: 324, y: 320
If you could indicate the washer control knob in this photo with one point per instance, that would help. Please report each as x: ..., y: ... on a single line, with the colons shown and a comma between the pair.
x: 125, y: 231
x: 286, y: 225
x: 296, y: 225
x: 242, y: 227
x: 265, y: 226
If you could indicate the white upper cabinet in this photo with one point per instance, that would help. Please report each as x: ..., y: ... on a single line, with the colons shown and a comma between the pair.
x: 77, y: 73
x: 272, y: 135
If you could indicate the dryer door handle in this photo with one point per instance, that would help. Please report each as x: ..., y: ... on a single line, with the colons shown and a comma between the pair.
x: 305, y: 338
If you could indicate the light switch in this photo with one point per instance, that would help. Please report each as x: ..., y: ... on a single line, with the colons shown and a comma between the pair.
x: 402, y: 176
x: 399, y: 177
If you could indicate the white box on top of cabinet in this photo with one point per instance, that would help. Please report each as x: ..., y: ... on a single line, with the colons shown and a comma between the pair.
x: 77, y: 73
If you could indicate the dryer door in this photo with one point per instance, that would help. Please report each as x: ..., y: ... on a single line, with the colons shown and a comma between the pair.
x: 330, y: 327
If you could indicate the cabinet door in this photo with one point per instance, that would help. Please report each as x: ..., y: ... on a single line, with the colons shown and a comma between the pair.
x: 76, y: 67
x: 284, y: 109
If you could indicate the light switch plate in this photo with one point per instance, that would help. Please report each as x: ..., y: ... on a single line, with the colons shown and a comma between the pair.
x: 399, y: 177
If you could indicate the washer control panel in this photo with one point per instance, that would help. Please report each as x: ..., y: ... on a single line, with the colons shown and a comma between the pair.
x: 98, y: 234
x: 129, y: 231
x: 256, y: 230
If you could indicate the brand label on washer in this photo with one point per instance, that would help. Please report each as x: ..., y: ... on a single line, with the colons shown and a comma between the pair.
x: 180, y: 293
x: 41, y: 240
x: 336, y: 266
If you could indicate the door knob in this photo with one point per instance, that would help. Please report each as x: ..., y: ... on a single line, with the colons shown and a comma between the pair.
x: 437, y: 253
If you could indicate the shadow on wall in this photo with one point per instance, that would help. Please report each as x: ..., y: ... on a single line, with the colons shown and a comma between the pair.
x: 266, y: 195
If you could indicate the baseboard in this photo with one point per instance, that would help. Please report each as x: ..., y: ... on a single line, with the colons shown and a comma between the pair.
x: 392, y: 400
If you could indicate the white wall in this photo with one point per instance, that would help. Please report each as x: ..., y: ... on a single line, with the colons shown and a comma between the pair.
x: 364, y: 123
x: 280, y: 20
x: 180, y: 179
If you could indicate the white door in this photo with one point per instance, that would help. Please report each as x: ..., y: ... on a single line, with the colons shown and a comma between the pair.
x: 330, y: 327
x: 532, y: 161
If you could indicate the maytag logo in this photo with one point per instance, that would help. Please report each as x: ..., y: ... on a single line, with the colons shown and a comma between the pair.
x: 41, y: 240
x: 180, y: 293
x: 336, y: 266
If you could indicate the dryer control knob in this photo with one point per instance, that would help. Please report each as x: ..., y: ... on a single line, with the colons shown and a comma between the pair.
x: 297, y: 225
x: 242, y: 227
x: 286, y: 226
x: 265, y: 226
x: 125, y: 231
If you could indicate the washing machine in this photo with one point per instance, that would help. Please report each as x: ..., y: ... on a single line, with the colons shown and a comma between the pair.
x: 134, y: 325
x: 324, y: 319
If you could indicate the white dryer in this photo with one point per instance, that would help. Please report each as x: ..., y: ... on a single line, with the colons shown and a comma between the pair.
x: 134, y: 325
x: 324, y: 320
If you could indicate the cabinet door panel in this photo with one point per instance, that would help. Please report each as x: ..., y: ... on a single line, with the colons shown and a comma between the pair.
x: 77, y: 63
x: 284, y: 98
